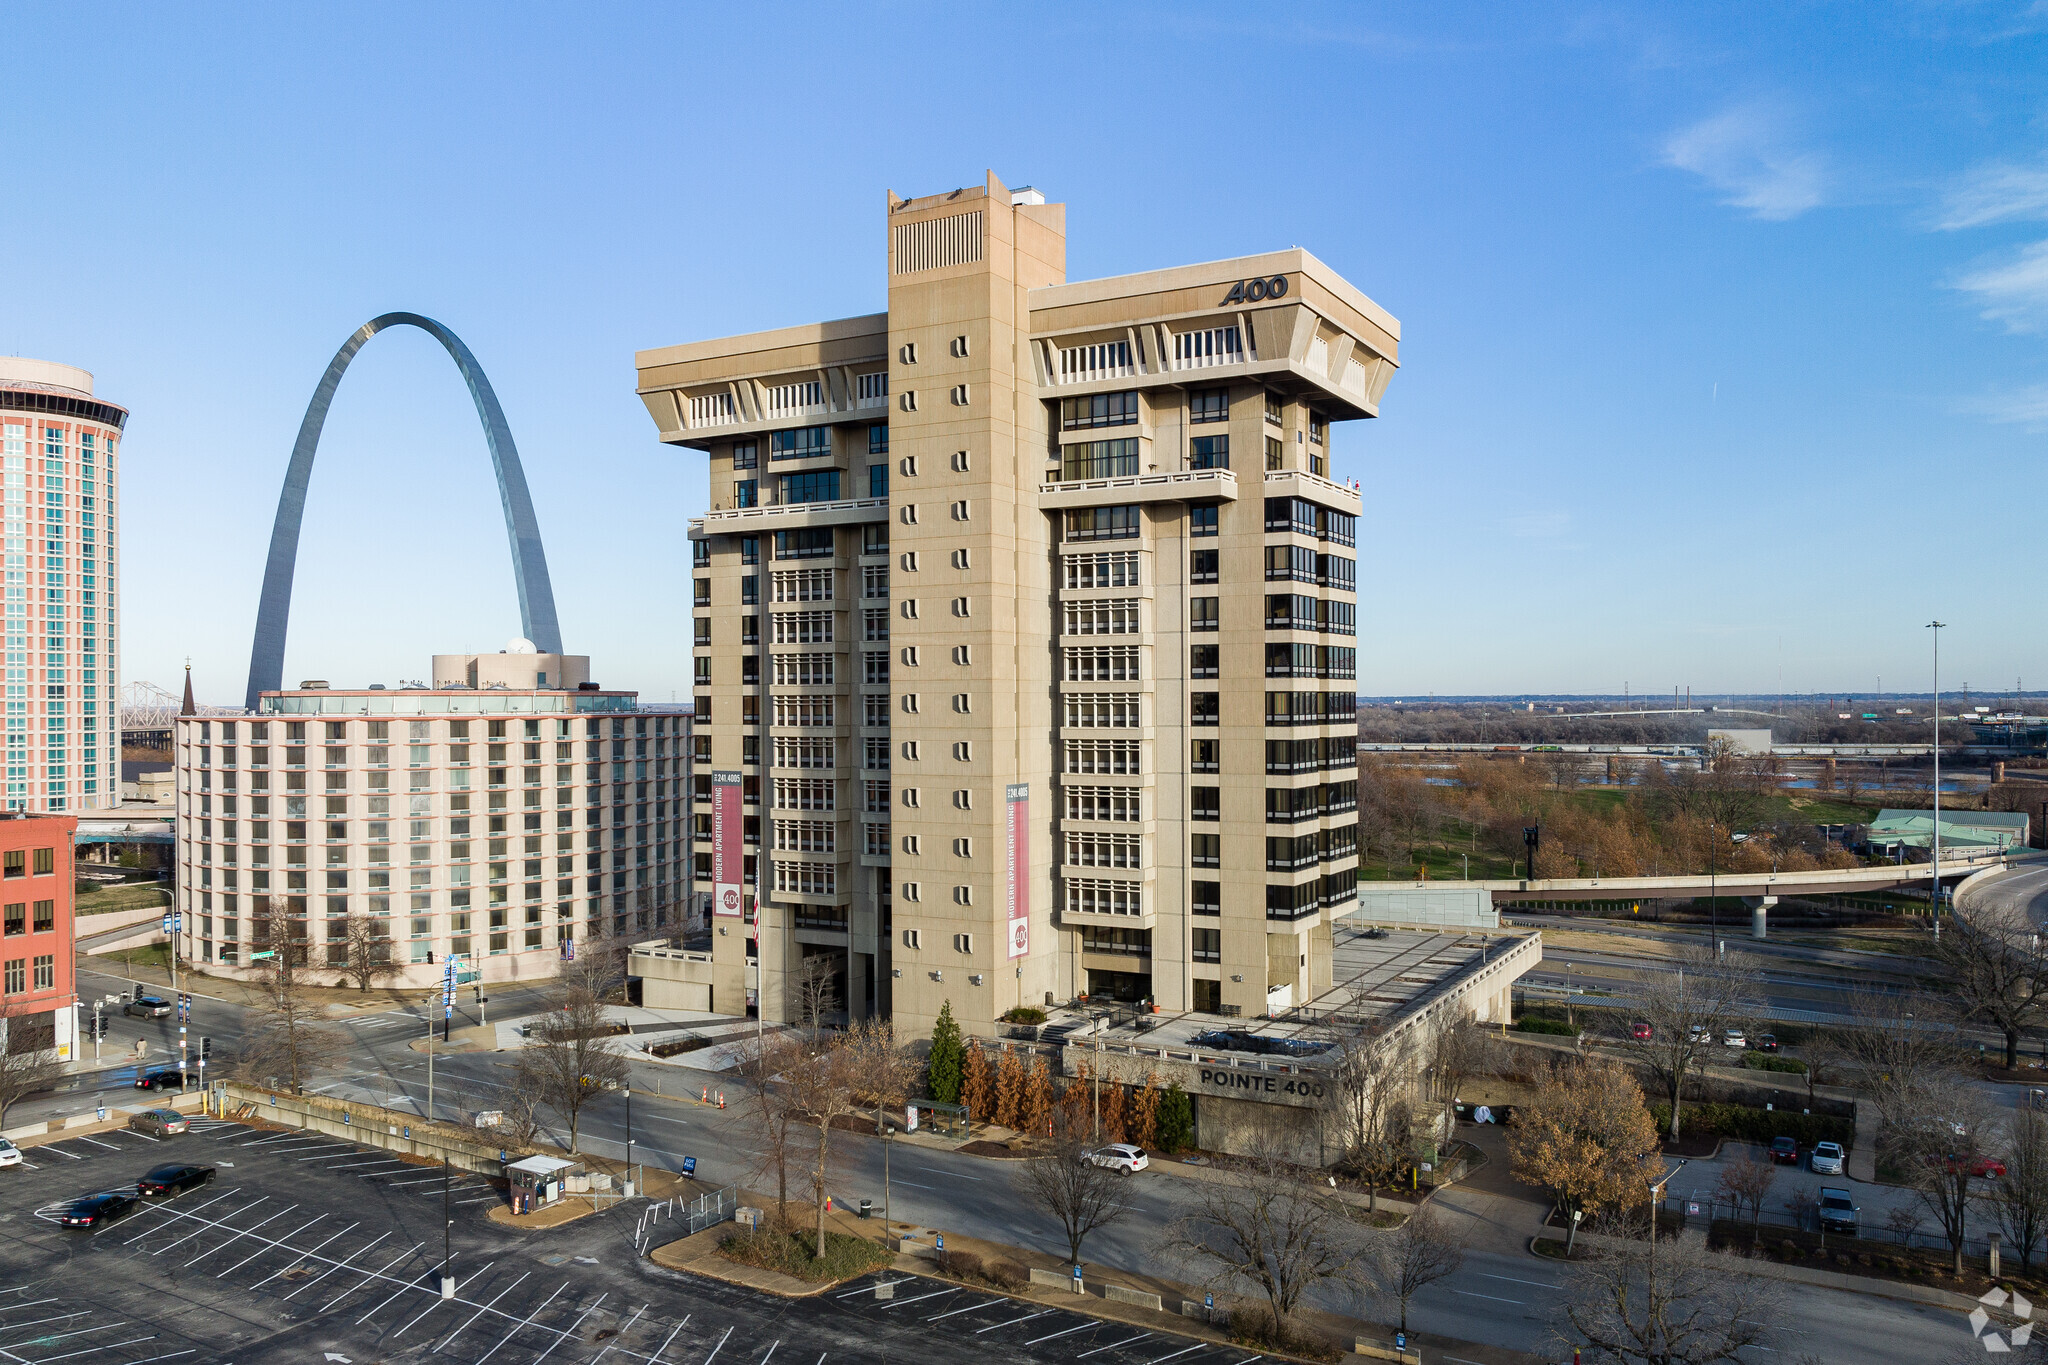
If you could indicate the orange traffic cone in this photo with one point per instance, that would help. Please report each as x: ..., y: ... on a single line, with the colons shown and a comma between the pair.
x: 721, y: 1099
x: 705, y: 1098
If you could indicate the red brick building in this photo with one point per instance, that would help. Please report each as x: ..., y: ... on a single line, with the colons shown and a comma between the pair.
x: 37, y: 984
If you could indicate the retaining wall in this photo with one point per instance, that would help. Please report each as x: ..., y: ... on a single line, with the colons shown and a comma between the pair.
x: 372, y: 1126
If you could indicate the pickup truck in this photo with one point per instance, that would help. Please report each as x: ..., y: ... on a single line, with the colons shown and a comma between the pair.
x: 1837, y: 1211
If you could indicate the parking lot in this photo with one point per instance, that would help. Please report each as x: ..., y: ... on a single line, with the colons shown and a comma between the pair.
x: 308, y: 1248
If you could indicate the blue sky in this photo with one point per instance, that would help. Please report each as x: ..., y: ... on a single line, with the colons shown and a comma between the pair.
x: 1724, y: 324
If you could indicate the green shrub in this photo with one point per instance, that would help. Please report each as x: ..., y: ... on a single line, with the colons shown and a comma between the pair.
x: 1757, y: 1125
x: 794, y: 1253
x: 1174, y: 1126
x: 1764, y: 1061
x: 946, y: 1065
x: 1551, y: 1026
x: 1025, y: 1014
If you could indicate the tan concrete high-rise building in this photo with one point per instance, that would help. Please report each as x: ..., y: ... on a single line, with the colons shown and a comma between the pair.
x: 1025, y: 627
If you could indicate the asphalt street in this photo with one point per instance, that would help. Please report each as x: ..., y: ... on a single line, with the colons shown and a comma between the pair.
x: 309, y: 1249
x: 1503, y: 1296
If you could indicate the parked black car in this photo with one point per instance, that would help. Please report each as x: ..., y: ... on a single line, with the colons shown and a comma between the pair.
x: 173, y: 1179
x: 96, y: 1210
x: 148, y: 1006
x: 1785, y: 1151
x: 166, y: 1078
x: 1767, y: 1042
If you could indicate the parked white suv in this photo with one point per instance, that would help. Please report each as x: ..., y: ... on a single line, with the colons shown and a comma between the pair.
x: 1827, y: 1158
x: 1119, y: 1156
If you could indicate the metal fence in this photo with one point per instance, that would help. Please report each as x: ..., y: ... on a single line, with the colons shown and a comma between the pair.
x: 1702, y: 1208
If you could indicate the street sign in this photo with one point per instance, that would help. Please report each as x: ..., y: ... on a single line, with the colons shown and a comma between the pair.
x: 267, y: 952
x: 939, y: 1242
x: 689, y: 1165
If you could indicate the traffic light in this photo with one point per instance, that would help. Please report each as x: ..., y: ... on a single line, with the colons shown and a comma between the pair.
x: 206, y: 1047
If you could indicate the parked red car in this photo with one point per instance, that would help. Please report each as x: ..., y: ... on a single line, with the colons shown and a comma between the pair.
x: 1640, y: 1031
x: 1785, y: 1151
x: 1990, y: 1168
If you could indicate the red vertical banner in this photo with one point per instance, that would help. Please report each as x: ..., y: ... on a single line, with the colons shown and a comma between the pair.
x: 1019, y: 794
x: 727, y: 891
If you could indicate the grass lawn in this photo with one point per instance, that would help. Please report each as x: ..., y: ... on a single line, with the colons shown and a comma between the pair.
x: 133, y: 896
x: 149, y: 955
x: 792, y: 1254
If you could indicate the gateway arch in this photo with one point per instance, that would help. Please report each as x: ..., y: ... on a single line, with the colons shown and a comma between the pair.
x: 529, y: 561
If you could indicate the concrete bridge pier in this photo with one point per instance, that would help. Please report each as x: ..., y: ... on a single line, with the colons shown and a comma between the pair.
x: 1759, y: 907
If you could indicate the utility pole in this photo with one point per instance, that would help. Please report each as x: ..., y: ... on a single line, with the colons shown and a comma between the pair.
x: 430, y: 1065
x: 1935, y: 908
x: 447, y: 1224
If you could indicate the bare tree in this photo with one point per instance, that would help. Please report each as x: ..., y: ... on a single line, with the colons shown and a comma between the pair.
x: 1827, y: 1055
x: 1687, y: 1009
x: 1368, y: 1090
x: 813, y: 991
x: 1942, y: 1144
x: 1072, y: 1190
x: 824, y: 1081
x: 570, y: 1058
x: 1665, y: 1303
x: 1458, y: 1049
x: 1276, y: 1230
x: 597, y: 970
x: 285, y: 1040
x: 1413, y: 1257
x: 367, y: 940
x: 775, y: 1110
x: 2022, y: 1192
x: 28, y: 1054
x: 1902, y: 1042
x: 1747, y: 1184
x: 1997, y: 973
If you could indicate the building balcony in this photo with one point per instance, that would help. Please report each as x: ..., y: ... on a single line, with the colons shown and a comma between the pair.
x: 1193, y: 485
x: 790, y: 516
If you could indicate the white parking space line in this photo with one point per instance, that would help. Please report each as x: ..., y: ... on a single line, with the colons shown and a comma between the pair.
x: 205, y: 1223
x: 655, y: 1359
x: 575, y: 1326
x: 479, y: 1312
x: 368, y: 1275
x: 37, y: 1322
x: 254, y: 1254
x: 621, y: 1335
x: 970, y: 1308
x: 138, y: 1133
x: 240, y: 1235
x: 351, y: 1165
x: 485, y: 1200
x: 1066, y: 1333
x: 46, y: 1360
x: 520, y: 1326
x: 719, y: 1347
x: 899, y: 1303
x: 436, y: 1302
x: 1127, y: 1341
x: 409, y: 1284
x: 1013, y: 1321
x: 97, y: 1143
x: 83, y: 1331
x: 771, y: 1350
x: 164, y: 1208
x: 307, y: 1147
x: 1161, y: 1360
x: 53, y: 1147
x: 316, y: 1246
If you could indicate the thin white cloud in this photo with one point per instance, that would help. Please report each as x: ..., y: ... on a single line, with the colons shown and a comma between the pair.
x: 1999, y: 192
x: 2026, y: 407
x: 1747, y: 154
x: 2015, y: 291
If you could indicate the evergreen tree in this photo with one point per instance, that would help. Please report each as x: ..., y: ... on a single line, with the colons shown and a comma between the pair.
x: 946, y: 1065
x: 1176, y: 1120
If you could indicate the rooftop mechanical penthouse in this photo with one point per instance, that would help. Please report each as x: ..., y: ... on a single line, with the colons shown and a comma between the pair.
x: 1026, y: 627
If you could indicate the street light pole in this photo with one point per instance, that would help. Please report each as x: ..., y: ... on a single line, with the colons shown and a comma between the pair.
x: 629, y: 1131
x: 888, y: 1131
x: 1935, y: 911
